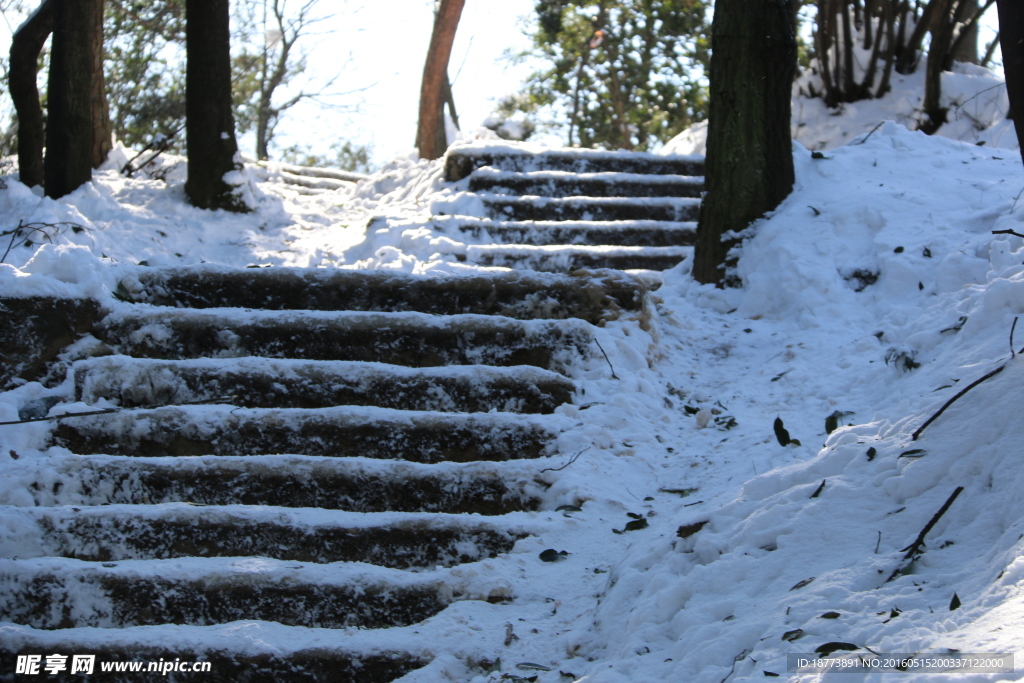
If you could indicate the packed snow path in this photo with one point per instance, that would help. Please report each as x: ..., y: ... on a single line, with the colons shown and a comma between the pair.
x: 565, y: 209
x: 311, y: 449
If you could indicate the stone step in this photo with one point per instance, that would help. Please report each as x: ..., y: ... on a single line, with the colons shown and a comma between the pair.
x: 463, y: 160
x: 59, y: 593
x: 568, y: 184
x: 267, y: 383
x: 224, y: 665
x: 352, y: 484
x: 221, y: 662
x: 411, y: 339
x: 548, y: 233
x: 37, y: 328
x: 424, y: 437
x: 179, y: 530
x: 592, y: 297
x: 591, y: 209
x: 568, y: 258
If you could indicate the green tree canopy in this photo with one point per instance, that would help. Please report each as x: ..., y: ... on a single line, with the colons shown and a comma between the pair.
x: 626, y: 74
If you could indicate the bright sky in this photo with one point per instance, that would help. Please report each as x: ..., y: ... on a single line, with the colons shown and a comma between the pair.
x: 388, y: 43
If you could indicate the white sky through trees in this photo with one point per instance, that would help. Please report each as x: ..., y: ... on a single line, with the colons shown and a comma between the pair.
x: 388, y: 42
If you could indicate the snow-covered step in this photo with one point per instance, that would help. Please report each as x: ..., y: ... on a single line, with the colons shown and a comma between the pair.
x: 425, y: 437
x: 268, y: 383
x: 115, y: 533
x: 462, y: 160
x: 56, y: 593
x: 353, y: 484
x: 511, y: 295
x: 530, y: 208
x: 569, y: 184
x: 547, y: 233
x: 250, y: 652
x: 411, y: 339
x: 568, y: 258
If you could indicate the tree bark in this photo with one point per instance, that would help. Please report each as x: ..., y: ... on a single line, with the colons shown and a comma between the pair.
x: 69, y: 126
x: 209, y: 121
x: 966, y: 47
x: 435, y: 72
x: 102, y: 128
x: 26, y: 45
x: 942, y: 38
x: 749, y: 166
x: 1011, y: 39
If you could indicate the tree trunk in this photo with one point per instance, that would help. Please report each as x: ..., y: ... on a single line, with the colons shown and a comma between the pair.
x: 209, y: 121
x: 435, y: 72
x: 749, y: 167
x: 69, y: 126
x: 907, y: 61
x: 26, y: 45
x: 1011, y: 39
x: 966, y: 47
x: 102, y: 129
x: 942, y: 38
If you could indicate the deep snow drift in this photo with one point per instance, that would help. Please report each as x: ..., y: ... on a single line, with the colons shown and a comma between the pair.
x: 874, y: 294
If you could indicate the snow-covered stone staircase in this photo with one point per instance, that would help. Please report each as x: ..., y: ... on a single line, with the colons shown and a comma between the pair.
x: 563, y: 209
x: 300, y: 459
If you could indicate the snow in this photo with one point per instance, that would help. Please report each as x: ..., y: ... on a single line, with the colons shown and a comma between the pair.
x: 976, y: 100
x: 912, y: 214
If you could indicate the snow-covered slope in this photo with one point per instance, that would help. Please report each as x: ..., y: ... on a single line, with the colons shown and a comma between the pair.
x: 974, y: 97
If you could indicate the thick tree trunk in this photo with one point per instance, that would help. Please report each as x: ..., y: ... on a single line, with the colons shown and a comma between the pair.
x: 435, y: 72
x: 749, y: 167
x: 69, y: 126
x: 209, y: 122
x: 26, y: 45
x: 102, y: 129
x: 1011, y: 39
x: 966, y: 47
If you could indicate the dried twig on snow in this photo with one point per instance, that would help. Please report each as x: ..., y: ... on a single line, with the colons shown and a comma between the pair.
x: 915, y: 548
x: 954, y: 399
x: 606, y: 358
x: 571, y: 461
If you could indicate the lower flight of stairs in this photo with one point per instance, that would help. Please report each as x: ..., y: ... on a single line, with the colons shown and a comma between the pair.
x: 300, y: 459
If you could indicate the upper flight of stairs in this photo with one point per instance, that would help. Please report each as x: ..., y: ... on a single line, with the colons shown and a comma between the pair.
x: 561, y: 210
x: 299, y: 453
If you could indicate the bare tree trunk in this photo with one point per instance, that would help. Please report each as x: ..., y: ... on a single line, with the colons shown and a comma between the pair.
x: 1011, y: 38
x: 906, y: 63
x: 435, y: 72
x: 69, y: 126
x: 102, y: 128
x: 966, y: 47
x: 209, y: 123
x: 26, y: 45
x: 942, y: 38
x: 749, y: 167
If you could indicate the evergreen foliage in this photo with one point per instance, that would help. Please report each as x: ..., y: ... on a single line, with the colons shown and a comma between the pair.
x: 621, y: 74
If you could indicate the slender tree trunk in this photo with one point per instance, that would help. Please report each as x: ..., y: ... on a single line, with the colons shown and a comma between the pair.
x: 942, y: 38
x: 749, y: 167
x: 435, y: 72
x: 449, y: 99
x: 907, y: 61
x: 1011, y: 38
x: 69, y: 126
x: 26, y: 45
x: 209, y: 122
x: 102, y: 128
